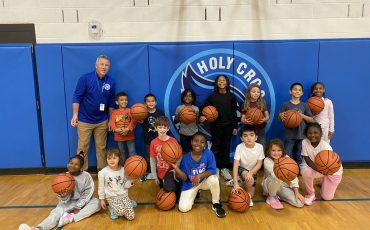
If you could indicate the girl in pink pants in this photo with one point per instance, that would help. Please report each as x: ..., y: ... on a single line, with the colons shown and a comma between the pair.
x: 311, y: 146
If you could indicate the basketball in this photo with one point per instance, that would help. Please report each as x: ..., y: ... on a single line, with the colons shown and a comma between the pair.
x: 135, y: 167
x: 62, y: 182
x: 254, y: 114
x: 293, y: 119
x: 286, y: 169
x: 210, y: 112
x: 139, y: 112
x: 171, y: 152
x: 165, y: 200
x: 327, y: 162
x: 239, y: 201
x: 316, y: 104
x: 187, y: 115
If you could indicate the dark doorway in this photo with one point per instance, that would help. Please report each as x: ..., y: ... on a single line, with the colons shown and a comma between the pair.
x: 17, y: 33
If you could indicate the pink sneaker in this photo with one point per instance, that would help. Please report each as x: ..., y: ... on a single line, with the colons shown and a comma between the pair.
x: 309, y: 199
x: 274, y: 202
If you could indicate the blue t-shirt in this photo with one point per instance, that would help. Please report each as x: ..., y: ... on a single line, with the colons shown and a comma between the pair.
x: 90, y: 92
x: 192, y: 168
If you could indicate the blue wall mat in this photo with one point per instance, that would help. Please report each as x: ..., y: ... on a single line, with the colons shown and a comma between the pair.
x: 284, y: 63
x: 344, y: 69
x: 129, y: 68
x: 20, y: 142
x: 53, y: 105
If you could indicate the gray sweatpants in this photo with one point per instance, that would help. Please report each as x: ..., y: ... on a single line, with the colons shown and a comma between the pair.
x: 274, y: 187
x: 52, y: 220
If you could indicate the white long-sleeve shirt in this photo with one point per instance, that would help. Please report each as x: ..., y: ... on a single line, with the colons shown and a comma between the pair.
x: 326, y: 117
x: 113, y: 183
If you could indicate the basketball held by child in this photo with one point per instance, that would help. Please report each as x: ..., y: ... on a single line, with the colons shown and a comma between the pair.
x: 286, y: 169
x: 210, y: 112
x: 135, y: 167
x: 63, y: 182
x: 171, y: 152
x: 239, y: 200
x: 293, y: 119
x: 139, y: 112
x: 316, y: 104
x: 187, y: 115
x: 327, y: 162
x: 254, y: 114
x: 165, y: 200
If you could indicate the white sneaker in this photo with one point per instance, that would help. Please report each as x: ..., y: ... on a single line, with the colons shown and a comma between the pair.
x: 230, y: 183
x: 226, y: 174
x: 150, y: 176
x: 251, y: 203
x: 65, y: 219
x: 26, y: 227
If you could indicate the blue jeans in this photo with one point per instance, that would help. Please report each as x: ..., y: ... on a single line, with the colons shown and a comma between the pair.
x: 293, y: 147
x: 127, y: 149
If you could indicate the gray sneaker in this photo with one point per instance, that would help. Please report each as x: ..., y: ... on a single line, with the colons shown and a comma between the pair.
x: 226, y: 174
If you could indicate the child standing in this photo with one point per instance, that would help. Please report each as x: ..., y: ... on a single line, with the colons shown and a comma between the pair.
x: 253, y: 99
x: 149, y: 130
x: 113, y: 188
x: 326, y: 117
x: 294, y: 136
x: 275, y: 188
x: 187, y: 130
x: 162, y: 172
x: 247, y: 161
x: 198, y: 171
x: 226, y: 124
x: 72, y: 206
x: 311, y: 146
x: 123, y: 126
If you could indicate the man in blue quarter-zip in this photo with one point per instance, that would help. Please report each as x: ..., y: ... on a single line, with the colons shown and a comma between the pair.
x: 93, y: 101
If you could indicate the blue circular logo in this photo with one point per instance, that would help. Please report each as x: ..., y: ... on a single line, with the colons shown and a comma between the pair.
x: 199, y: 71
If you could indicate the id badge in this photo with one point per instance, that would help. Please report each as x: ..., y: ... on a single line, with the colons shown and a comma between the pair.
x: 102, y: 106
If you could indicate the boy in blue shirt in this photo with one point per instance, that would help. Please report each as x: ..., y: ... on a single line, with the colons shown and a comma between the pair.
x: 294, y: 136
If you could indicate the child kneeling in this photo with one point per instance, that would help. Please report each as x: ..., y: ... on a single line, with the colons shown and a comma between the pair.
x: 198, y: 171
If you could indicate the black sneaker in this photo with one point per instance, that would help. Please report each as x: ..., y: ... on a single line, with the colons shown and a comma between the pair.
x: 143, y: 178
x: 220, y: 212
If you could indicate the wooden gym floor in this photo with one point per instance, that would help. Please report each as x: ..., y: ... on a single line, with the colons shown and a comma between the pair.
x: 29, y: 199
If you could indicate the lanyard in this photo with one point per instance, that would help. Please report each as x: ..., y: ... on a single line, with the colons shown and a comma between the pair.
x: 102, y: 87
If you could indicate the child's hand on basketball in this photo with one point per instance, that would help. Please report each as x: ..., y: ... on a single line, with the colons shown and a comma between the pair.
x: 236, y: 188
x: 63, y: 193
x: 282, y: 116
x: 261, y: 121
x: 248, y: 121
x: 103, y: 204
x: 202, y: 119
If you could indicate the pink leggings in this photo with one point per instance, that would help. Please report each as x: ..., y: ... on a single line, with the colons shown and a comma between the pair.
x: 329, y: 183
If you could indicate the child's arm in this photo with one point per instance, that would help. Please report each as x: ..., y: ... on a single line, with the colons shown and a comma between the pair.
x: 307, y: 114
x: 179, y: 172
x: 307, y: 118
x: 236, y: 186
x: 101, y: 192
x: 331, y: 120
x: 86, y: 194
x: 298, y: 195
x: 199, y: 177
x: 153, y: 168
x: 266, y: 117
x: 310, y: 163
x: 282, y: 116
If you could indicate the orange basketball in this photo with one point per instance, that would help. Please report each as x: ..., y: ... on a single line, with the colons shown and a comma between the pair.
x: 165, y: 200
x: 254, y: 114
x: 171, y: 152
x: 239, y: 201
x: 139, y: 112
x: 135, y: 167
x: 327, y: 162
x: 62, y: 182
x: 187, y: 115
x: 293, y: 119
x: 286, y: 169
x: 210, y: 112
x: 316, y: 104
